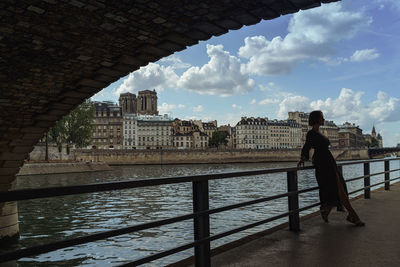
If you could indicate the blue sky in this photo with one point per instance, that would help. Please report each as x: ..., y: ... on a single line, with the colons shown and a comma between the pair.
x: 342, y: 58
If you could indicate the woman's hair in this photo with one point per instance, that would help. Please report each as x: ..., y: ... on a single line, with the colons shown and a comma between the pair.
x: 314, y: 117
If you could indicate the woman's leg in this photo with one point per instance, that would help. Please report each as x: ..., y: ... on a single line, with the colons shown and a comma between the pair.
x: 345, y: 199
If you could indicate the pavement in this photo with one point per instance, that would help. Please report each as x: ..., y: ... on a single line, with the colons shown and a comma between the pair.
x: 337, y: 243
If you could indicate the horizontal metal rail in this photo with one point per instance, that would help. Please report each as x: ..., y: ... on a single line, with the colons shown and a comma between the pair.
x: 370, y: 175
x: 204, y: 213
x: 365, y: 161
x: 25, y: 194
x: 362, y: 189
x: 165, y: 253
x: 26, y: 252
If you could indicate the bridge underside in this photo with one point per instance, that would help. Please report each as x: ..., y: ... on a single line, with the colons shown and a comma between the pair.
x: 55, y: 54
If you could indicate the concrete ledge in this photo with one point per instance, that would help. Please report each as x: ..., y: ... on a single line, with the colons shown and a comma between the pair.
x: 50, y: 168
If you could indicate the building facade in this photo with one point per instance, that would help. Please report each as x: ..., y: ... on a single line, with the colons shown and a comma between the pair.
x: 252, y: 133
x: 350, y: 136
x: 191, y: 140
x: 302, y: 119
x: 144, y: 104
x: 284, y: 134
x: 107, y: 133
x: 147, y: 131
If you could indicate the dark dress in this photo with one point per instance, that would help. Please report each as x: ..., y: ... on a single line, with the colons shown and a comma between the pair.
x: 325, y: 168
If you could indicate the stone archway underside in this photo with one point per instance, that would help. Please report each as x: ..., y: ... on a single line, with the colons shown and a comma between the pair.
x: 56, y: 53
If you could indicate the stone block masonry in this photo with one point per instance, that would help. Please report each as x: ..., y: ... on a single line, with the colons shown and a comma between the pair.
x: 122, y: 157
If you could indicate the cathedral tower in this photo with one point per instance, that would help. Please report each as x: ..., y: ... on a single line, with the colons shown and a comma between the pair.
x: 147, y: 102
x: 128, y: 103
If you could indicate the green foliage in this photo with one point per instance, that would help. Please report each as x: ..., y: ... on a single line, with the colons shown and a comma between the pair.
x: 217, y: 139
x: 374, y: 142
x: 76, y: 127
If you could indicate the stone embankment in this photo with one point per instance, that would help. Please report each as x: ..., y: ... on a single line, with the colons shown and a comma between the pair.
x: 68, y: 167
x: 122, y: 157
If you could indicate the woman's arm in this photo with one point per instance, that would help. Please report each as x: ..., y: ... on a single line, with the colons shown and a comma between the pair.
x: 305, y: 151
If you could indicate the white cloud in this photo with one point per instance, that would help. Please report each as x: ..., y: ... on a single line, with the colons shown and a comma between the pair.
x: 168, y: 108
x: 269, y: 101
x: 312, y: 35
x: 149, y: 77
x: 253, y: 101
x: 364, y: 55
x: 199, y: 108
x: 293, y: 103
x: 393, y: 3
x: 271, y: 86
x: 220, y: 76
x: 348, y: 106
x: 236, y: 106
x: 175, y: 62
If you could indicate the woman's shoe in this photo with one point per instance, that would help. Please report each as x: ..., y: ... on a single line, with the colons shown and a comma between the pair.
x: 324, y: 213
x: 356, y: 222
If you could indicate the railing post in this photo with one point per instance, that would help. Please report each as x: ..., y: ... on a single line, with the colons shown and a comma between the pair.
x: 293, y: 201
x: 387, y: 175
x: 367, y: 191
x: 201, y: 224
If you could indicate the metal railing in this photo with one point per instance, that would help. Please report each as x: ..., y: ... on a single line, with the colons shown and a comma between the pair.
x: 201, y: 210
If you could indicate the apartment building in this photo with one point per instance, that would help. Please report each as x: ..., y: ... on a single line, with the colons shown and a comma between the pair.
x: 147, y: 131
x: 284, y: 134
x: 252, y: 133
x: 108, y: 126
x: 350, y: 135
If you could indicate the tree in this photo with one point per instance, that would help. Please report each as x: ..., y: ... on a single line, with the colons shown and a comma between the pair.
x: 374, y: 143
x: 74, y: 128
x: 217, y: 139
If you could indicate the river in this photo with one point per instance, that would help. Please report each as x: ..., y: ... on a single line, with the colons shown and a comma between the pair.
x: 51, y: 219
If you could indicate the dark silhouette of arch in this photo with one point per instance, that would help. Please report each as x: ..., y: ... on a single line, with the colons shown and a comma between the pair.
x: 56, y: 54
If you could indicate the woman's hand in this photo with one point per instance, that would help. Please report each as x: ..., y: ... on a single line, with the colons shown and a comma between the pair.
x: 300, y: 163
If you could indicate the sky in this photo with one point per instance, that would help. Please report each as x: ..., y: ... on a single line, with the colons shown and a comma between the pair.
x: 342, y: 58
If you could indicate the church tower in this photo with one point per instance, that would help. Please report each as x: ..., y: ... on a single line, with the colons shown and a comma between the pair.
x: 373, y: 133
x: 147, y: 102
x: 128, y: 103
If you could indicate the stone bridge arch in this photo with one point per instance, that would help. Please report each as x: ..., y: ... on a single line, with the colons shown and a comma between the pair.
x: 55, y: 54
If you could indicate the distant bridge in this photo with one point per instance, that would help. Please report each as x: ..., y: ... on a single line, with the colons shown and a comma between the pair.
x: 372, y: 152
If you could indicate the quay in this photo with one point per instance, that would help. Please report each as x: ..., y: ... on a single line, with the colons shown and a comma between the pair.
x: 337, y: 243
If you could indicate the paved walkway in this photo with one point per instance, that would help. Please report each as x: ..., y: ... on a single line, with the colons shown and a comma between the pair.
x: 337, y: 243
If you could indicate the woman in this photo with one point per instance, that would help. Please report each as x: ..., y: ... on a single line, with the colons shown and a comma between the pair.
x: 332, y: 187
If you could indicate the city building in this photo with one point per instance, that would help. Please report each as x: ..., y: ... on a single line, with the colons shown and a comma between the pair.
x: 191, y: 140
x: 252, y: 133
x: 302, y: 119
x: 284, y: 134
x: 108, y: 126
x: 147, y: 131
x: 182, y: 126
x: 144, y: 104
x: 350, y: 136
x: 373, y: 139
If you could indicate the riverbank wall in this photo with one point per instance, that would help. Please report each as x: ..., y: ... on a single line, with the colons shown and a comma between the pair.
x: 67, y: 167
x: 132, y: 157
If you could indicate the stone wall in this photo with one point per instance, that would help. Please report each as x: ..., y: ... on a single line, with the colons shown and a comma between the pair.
x: 117, y: 157
x: 39, y: 152
x: 69, y: 167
